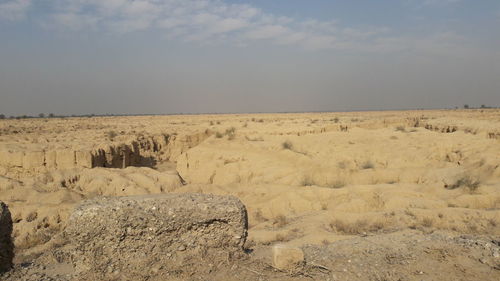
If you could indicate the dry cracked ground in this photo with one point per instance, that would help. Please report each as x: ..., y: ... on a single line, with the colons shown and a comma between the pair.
x: 407, y: 195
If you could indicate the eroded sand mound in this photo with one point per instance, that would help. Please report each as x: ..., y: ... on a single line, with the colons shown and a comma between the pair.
x: 305, y: 178
x: 41, y: 205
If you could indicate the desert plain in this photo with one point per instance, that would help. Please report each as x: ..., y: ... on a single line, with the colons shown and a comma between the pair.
x: 389, y: 195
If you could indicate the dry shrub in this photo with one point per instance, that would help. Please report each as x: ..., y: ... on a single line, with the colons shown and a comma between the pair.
x: 427, y: 222
x: 287, y: 145
x: 358, y: 227
x: 467, y: 181
x: 368, y: 165
x: 259, y: 217
x: 111, y: 135
x: 280, y: 221
x: 231, y: 133
x: 307, y: 181
x: 281, y: 238
x: 336, y: 184
x: 342, y: 164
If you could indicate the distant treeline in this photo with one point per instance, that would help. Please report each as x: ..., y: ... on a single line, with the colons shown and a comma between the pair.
x: 466, y: 106
x: 52, y: 115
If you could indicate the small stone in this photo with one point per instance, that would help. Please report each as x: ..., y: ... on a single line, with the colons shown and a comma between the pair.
x: 182, y: 248
x: 285, y: 258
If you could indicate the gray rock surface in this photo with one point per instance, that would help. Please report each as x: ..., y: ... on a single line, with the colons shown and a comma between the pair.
x: 138, y: 236
x: 6, y: 245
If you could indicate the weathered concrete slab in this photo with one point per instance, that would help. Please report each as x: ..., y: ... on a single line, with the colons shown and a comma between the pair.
x: 125, y: 236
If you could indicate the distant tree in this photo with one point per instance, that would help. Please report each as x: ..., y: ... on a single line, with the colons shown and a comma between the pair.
x: 2, y: 116
x: 51, y: 115
x: 483, y: 106
x: 466, y: 106
x: 41, y: 115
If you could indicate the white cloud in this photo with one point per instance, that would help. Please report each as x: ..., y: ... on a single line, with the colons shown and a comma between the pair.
x: 14, y: 9
x: 209, y: 21
x: 266, y: 32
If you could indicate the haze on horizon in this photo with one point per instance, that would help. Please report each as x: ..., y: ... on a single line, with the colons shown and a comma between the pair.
x: 215, y: 56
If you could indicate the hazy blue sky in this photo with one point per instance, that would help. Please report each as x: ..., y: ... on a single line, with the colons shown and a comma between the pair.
x: 190, y: 56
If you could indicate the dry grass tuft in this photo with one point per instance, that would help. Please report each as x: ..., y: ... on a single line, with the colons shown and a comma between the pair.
x: 358, y: 227
x: 307, y: 181
x: 469, y: 182
x: 427, y: 222
x: 336, y: 184
x: 400, y: 129
x: 287, y: 145
x: 367, y: 165
x: 111, y: 135
x: 259, y: 217
x: 280, y: 221
x: 342, y: 165
x: 231, y: 133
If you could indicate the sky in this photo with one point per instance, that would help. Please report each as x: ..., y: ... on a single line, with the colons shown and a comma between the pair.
x: 227, y: 56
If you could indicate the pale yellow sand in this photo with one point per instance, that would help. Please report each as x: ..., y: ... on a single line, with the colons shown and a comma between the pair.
x: 303, y: 179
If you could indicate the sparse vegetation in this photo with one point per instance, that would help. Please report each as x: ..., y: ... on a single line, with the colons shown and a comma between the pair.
x: 400, y: 129
x: 111, y: 135
x: 427, y: 222
x: 259, y: 217
x: 280, y: 221
x: 219, y: 135
x: 307, y: 181
x: 231, y: 133
x: 367, y: 165
x: 469, y: 182
x: 342, y: 164
x: 359, y: 226
x: 336, y: 184
x: 287, y: 145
